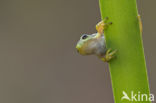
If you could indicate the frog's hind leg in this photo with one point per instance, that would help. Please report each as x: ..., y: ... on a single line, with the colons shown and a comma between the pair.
x: 101, y: 26
x: 109, y: 55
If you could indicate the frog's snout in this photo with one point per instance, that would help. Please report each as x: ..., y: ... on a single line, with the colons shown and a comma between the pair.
x: 80, y: 50
x: 77, y: 48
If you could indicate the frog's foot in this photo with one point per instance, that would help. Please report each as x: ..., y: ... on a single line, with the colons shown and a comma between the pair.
x: 102, y: 25
x: 109, y: 55
x: 140, y: 23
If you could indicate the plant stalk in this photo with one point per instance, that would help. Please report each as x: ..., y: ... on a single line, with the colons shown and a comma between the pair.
x: 128, y: 70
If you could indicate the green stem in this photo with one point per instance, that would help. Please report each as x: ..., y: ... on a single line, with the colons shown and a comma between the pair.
x: 128, y: 69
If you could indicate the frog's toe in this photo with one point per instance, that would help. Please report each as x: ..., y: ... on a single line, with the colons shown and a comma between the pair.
x: 110, y: 54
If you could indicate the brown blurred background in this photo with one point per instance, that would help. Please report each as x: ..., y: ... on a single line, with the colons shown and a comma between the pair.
x: 38, y: 59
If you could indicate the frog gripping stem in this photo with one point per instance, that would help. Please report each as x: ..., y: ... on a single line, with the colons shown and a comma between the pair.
x: 102, y: 25
x: 109, y: 55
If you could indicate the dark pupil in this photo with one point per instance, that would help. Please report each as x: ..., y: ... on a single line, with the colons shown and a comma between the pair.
x: 84, y: 36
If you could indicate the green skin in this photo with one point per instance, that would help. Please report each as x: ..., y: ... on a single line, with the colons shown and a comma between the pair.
x: 90, y: 44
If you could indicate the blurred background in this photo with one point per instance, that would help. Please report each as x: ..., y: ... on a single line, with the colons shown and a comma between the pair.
x: 38, y: 59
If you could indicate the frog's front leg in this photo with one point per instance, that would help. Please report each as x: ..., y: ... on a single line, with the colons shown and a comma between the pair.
x: 101, y: 26
x: 109, y: 55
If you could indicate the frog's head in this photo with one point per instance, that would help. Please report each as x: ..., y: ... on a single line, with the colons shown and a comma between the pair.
x: 85, y: 45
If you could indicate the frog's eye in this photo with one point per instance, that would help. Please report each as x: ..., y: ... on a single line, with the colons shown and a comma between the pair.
x: 84, y: 36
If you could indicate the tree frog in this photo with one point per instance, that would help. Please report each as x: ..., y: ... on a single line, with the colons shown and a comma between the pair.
x: 94, y: 44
